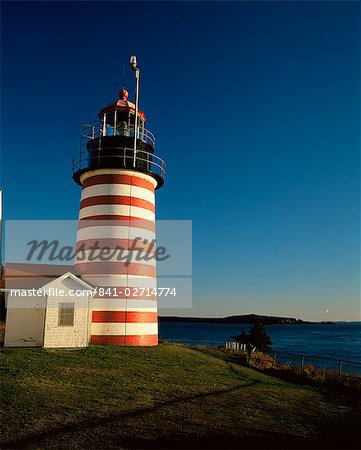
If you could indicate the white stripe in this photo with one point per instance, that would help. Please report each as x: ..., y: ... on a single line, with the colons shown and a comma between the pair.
x: 118, y: 304
x: 111, y: 329
x: 109, y: 304
x: 121, y: 210
x: 113, y: 232
x: 124, y: 256
x: 92, y: 173
x: 120, y: 280
x: 143, y: 213
x: 143, y: 305
x: 118, y: 189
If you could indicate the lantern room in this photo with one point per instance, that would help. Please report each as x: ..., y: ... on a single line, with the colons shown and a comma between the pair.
x: 118, y: 140
x: 118, y: 119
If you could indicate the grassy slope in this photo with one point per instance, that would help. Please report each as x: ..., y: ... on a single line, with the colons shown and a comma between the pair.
x: 166, y: 396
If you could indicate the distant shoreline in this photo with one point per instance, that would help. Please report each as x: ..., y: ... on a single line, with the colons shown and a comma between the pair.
x: 247, y: 318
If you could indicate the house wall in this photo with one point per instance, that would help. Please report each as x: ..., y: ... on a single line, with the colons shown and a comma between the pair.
x: 56, y: 336
x: 24, y: 321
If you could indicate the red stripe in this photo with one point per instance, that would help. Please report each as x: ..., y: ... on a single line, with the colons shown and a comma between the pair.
x: 141, y: 340
x: 112, y: 243
x: 31, y: 276
x: 118, y: 179
x: 135, y: 293
x: 117, y: 200
x: 119, y: 268
x: 31, y: 269
x: 112, y: 220
x: 124, y: 316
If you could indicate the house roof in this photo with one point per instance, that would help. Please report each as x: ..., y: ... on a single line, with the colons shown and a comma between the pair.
x: 29, y: 276
x: 64, y: 277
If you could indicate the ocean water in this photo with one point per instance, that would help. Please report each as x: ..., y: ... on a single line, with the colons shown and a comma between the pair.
x: 341, y: 340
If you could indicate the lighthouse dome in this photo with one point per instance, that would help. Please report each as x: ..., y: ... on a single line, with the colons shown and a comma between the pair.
x: 122, y: 104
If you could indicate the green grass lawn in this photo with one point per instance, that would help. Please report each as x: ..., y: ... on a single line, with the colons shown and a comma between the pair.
x: 161, y: 397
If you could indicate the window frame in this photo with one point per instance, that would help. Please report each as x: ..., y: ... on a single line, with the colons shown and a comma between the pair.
x: 67, y: 316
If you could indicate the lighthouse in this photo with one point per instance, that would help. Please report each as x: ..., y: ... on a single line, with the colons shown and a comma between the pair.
x: 119, y: 173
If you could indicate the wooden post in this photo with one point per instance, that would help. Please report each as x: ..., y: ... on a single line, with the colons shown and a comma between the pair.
x: 302, y: 363
x: 274, y: 359
x: 340, y: 367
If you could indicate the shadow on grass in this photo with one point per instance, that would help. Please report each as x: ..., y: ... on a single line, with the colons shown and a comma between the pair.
x: 106, y: 432
x: 116, y: 431
x: 35, y: 439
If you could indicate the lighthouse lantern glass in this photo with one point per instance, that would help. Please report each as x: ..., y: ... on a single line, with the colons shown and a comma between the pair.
x: 121, y: 123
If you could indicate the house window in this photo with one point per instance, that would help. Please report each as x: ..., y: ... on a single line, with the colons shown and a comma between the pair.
x: 66, y: 314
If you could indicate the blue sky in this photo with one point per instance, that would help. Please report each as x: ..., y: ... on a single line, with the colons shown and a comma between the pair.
x: 255, y: 107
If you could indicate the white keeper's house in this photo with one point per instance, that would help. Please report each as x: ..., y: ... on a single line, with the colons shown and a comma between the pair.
x: 56, y: 314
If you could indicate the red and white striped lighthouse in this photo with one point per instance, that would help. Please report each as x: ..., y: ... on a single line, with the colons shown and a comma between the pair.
x: 119, y: 173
